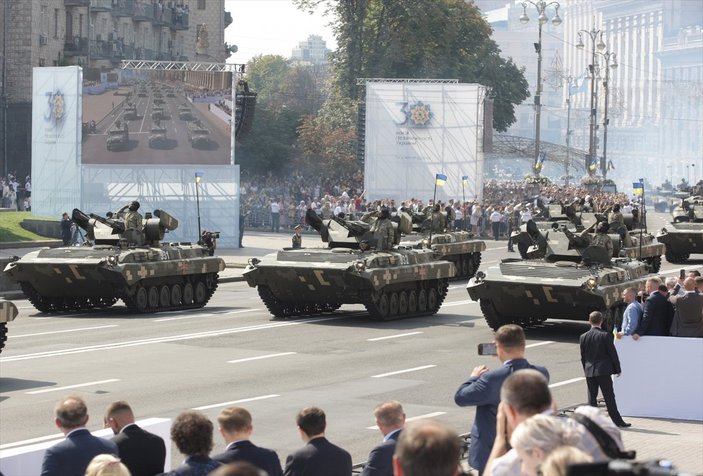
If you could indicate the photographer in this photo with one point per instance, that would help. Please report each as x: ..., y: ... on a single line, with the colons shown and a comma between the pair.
x: 209, y: 241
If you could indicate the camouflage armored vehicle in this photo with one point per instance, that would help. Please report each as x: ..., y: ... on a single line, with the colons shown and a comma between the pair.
x: 8, y: 312
x: 130, y: 112
x: 170, y: 93
x: 128, y: 264
x: 158, y: 114
x: 571, y: 281
x: 118, y: 138
x: 684, y: 236
x: 198, y: 135
x: 185, y: 113
x: 398, y: 283
x: 157, y: 137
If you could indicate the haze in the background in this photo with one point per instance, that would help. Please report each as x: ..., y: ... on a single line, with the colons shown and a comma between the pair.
x: 263, y: 27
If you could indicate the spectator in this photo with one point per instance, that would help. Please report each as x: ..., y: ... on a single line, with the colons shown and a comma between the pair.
x: 688, y: 317
x: 496, y: 218
x: 275, y: 216
x: 633, y: 313
x: 557, y: 463
x: 66, y: 231
x: 318, y: 457
x: 390, y: 419
x: 600, y: 360
x: 425, y: 448
x: 142, y: 452
x: 71, y: 456
x: 657, y: 312
x: 535, y: 438
x: 107, y: 465
x: 236, y: 429
x: 483, y: 390
x: 192, y: 433
x: 240, y: 468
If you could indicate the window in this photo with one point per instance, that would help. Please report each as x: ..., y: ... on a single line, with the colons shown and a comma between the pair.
x: 44, y: 19
x: 41, y: 62
x: 56, y: 23
x: 201, y: 4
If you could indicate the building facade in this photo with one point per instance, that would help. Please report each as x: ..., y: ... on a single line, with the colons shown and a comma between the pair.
x: 311, y: 51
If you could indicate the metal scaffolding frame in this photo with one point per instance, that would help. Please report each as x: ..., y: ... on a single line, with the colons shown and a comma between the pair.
x: 505, y: 146
x: 182, y: 66
x: 363, y: 81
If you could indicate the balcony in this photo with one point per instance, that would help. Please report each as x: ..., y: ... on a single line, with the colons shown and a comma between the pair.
x: 101, y: 5
x: 123, y: 8
x: 100, y: 49
x: 179, y: 20
x: 77, y: 46
x: 76, y: 3
x: 143, y: 11
x: 163, y: 16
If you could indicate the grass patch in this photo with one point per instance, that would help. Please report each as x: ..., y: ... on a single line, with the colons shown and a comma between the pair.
x: 11, y: 230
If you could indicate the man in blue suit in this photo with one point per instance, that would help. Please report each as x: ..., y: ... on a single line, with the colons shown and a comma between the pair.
x: 482, y: 390
x: 390, y: 419
x: 657, y: 312
x: 236, y: 428
x: 71, y: 456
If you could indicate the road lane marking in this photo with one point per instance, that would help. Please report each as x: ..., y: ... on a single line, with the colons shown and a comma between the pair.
x: 458, y: 303
x: 394, y: 336
x: 269, y: 356
x: 160, y: 340
x: 235, y: 402
x: 62, y: 331
x: 403, y: 371
x: 78, y: 385
x: 193, y: 316
x: 566, y: 382
x: 537, y: 344
x: 419, y: 417
x: 32, y: 441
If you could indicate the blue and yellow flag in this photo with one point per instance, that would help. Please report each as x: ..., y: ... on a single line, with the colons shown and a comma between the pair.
x: 440, y: 179
x: 198, y: 177
x: 465, y: 179
x: 594, y: 164
x: 638, y: 188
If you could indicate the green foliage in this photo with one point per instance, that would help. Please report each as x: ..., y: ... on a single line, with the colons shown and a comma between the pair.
x: 269, y: 144
x: 11, y: 230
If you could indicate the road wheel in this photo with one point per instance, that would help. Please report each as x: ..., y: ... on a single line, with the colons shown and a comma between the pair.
x: 432, y: 300
x: 474, y: 262
x: 403, y: 303
x: 383, y: 306
x: 141, y: 299
x: 412, y: 302
x: 153, y: 296
x: 176, y: 295
x: 3, y: 334
x: 187, y: 294
x: 200, y: 293
x: 422, y: 301
x: 164, y: 296
x: 393, y: 304
x: 493, y: 318
x: 655, y: 263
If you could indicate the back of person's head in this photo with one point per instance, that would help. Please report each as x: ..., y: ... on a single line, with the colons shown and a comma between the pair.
x: 511, y: 337
x: 234, y: 419
x: 671, y: 282
x: 695, y: 273
x: 558, y: 461
x: 595, y: 318
x: 542, y: 432
x: 427, y: 448
x: 240, y: 468
x: 71, y: 412
x: 616, y: 207
x: 527, y: 392
x: 118, y: 409
x: 106, y: 465
x: 191, y: 431
x: 390, y: 414
x: 311, y: 421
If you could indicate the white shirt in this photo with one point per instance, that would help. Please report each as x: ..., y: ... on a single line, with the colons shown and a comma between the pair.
x: 496, y: 216
x: 275, y: 208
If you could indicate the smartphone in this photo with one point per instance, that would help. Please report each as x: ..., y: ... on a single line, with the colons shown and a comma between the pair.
x: 487, y: 349
x: 682, y: 274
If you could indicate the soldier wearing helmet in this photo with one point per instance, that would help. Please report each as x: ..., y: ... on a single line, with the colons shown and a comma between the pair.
x: 602, y: 239
x: 132, y: 219
x: 383, y: 229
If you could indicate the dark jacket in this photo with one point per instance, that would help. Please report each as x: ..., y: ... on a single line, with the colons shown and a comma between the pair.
x: 657, y: 316
x: 71, y: 456
x: 195, y: 466
x: 598, y: 354
x: 142, y: 452
x: 688, y: 318
x: 319, y: 458
x: 380, y: 462
x: 245, y: 450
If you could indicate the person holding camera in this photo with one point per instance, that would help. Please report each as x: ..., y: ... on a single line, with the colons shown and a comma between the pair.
x: 482, y: 390
x: 209, y: 241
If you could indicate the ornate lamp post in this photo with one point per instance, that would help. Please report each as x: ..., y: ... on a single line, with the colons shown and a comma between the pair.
x: 541, y: 7
x: 610, y: 63
x: 597, y: 43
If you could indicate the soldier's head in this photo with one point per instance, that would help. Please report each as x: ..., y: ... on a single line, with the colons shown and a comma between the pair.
x: 602, y: 227
x: 134, y: 206
x: 616, y: 207
x: 385, y: 212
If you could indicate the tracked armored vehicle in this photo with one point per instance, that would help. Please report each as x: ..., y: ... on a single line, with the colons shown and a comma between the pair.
x: 118, y: 138
x: 8, y: 312
x: 571, y: 281
x: 398, y: 283
x: 684, y: 236
x: 185, y: 113
x: 130, y: 112
x: 130, y: 264
x: 157, y: 137
x: 198, y: 135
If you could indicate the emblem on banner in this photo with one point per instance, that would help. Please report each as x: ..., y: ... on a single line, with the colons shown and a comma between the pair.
x: 419, y: 114
x: 57, y: 107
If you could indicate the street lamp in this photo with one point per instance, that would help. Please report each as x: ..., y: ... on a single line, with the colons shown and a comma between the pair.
x: 541, y: 7
x: 610, y: 63
x: 597, y: 43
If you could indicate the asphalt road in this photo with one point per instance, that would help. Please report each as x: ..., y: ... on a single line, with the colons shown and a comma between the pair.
x: 233, y: 352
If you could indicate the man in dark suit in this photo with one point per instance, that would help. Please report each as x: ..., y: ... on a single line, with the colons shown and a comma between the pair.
x: 390, y: 419
x: 483, y: 391
x: 236, y: 428
x: 318, y: 457
x: 688, y: 317
x: 71, y: 456
x: 599, y: 359
x: 657, y: 312
x: 142, y: 452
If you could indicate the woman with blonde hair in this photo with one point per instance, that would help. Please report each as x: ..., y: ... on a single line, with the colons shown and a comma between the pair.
x: 559, y: 460
x: 106, y: 465
x: 535, y: 438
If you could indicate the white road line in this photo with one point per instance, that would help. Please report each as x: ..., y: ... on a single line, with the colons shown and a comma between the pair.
x: 235, y: 402
x: 458, y: 303
x: 537, y: 344
x: 403, y: 371
x: 189, y: 316
x: 78, y: 385
x: 269, y: 356
x: 160, y: 340
x: 394, y: 336
x: 39, y: 439
x: 419, y: 417
x: 567, y: 382
x: 62, y: 331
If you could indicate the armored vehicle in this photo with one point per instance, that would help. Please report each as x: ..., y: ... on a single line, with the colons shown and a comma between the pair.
x: 158, y: 114
x: 572, y: 280
x: 118, y: 138
x: 393, y: 284
x: 684, y: 236
x: 185, y: 113
x: 198, y: 135
x: 130, y: 112
x: 157, y: 137
x: 8, y: 312
x: 170, y: 93
x: 130, y: 264
x: 142, y: 93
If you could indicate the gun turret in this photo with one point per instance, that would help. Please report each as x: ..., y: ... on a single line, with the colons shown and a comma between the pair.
x: 116, y: 225
x: 338, y: 232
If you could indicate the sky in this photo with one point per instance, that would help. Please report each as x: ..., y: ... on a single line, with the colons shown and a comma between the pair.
x: 272, y: 27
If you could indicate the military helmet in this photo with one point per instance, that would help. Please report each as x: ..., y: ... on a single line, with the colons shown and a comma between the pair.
x: 134, y: 206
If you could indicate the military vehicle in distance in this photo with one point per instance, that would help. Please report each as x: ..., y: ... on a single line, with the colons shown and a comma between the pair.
x: 571, y: 281
x: 157, y: 137
x: 158, y: 113
x: 185, y: 113
x: 8, y: 312
x: 128, y: 264
x: 684, y: 236
x: 118, y: 137
x: 130, y: 112
x: 198, y: 135
x: 402, y: 282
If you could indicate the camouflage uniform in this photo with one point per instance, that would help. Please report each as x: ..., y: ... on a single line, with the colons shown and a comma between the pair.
x: 132, y: 220
x: 297, y: 241
x: 439, y: 222
x: 602, y: 239
x: 383, y: 229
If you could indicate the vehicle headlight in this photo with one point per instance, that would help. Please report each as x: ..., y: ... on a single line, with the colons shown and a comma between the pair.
x: 112, y: 260
x: 360, y: 266
x: 425, y: 243
x: 592, y: 283
x: 480, y: 276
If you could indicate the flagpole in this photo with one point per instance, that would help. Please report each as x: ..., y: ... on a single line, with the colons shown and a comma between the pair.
x: 434, y: 198
x: 463, y: 203
x: 643, y: 215
x: 197, y: 201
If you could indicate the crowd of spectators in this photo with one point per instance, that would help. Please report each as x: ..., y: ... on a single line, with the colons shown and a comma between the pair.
x: 15, y: 193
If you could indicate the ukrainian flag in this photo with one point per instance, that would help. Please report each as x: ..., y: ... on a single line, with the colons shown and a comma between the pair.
x: 440, y: 179
x: 638, y: 188
x: 198, y: 177
x: 465, y: 179
x: 594, y: 164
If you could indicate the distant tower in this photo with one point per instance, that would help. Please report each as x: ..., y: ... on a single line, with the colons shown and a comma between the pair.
x: 313, y: 51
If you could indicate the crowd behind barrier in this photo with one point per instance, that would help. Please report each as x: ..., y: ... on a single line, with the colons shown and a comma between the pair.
x: 16, y: 193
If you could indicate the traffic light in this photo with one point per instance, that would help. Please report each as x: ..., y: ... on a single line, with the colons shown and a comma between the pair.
x: 244, y: 105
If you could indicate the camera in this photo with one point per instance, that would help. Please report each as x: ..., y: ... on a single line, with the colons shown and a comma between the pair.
x: 214, y: 234
x: 487, y: 349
